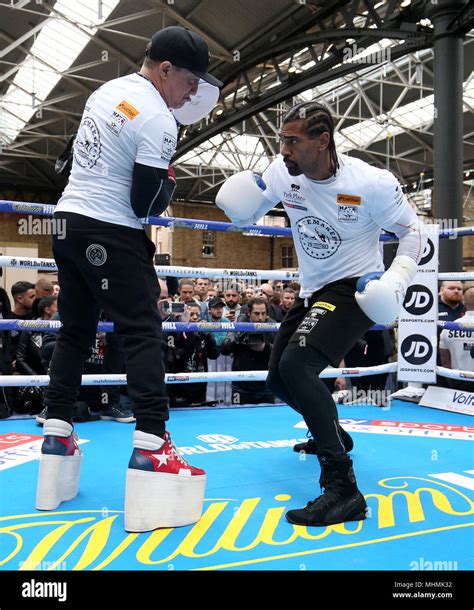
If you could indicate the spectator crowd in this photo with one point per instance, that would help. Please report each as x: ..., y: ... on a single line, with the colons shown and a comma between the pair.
x: 201, y: 300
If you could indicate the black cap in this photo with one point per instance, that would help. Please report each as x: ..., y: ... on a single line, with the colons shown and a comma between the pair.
x: 184, y: 49
x: 216, y: 301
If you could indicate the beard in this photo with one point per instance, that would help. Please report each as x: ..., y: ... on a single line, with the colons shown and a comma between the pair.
x: 292, y: 168
x: 455, y: 299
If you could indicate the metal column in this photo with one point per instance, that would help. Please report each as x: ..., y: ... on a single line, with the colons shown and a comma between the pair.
x: 448, y: 125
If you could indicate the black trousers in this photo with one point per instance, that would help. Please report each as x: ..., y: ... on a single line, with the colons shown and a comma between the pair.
x: 109, y: 267
x: 114, y: 362
x: 315, y: 333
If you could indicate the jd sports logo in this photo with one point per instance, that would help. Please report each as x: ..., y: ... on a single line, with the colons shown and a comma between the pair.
x: 418, y: 300
x: 417, y: 349
x: 427, y: 253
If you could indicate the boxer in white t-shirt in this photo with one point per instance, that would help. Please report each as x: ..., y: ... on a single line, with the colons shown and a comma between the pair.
x: 337, y: 206
x: 121, y: 173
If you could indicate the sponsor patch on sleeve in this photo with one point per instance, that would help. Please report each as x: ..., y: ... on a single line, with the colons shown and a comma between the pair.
x: 325, y: 305
x: 128, y: 110
x: 348, y: 199
x: 115, y: 122
x: 168, y: 146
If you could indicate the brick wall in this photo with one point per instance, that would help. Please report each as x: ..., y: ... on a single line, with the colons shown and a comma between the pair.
x: 468, y: 242
x: 10, y: 235
x: 232, y: 250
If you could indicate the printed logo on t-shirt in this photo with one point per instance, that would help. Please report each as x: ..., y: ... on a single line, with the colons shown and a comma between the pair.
x: 294, y: 206
x: 128, y: 110
x: 87, y: 145
x: 348, y: 213
x: 318, y: 238
x: 349, y: 199
x: 115, y: 123
x: 293, y: 195
x: 169, y: 146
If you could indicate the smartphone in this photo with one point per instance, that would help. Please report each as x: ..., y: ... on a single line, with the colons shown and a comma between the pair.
x: 162, y: 260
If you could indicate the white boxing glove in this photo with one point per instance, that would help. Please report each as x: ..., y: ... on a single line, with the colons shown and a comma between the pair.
x: 241, y: 196
x: 247, y: 222
x: 381, y: 295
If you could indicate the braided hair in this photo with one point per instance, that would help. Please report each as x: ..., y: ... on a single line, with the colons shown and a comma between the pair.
x: 317, y: 119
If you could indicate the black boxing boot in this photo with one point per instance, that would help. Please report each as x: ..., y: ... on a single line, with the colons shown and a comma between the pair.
x: 311, y: 446
x: 341, y: 500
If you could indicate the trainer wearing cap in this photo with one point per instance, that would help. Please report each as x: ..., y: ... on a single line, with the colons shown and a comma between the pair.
x: 121, y: 173
x: 184, y: 49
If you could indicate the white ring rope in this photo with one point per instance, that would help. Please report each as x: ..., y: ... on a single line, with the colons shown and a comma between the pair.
x: 49, y: 264
x: 172, y: 378
x: 455, y: 374
x: 175, y: 378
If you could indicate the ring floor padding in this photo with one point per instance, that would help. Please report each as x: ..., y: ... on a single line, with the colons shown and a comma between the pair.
x: 414, y: 465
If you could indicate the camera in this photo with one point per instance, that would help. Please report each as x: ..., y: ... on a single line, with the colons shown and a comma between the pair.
x: 171, y: 308
x: 250, y: 338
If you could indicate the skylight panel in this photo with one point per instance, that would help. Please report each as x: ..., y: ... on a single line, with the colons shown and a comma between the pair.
x: 248, y: 149
x: 58, y: 44
x: 415, y: 114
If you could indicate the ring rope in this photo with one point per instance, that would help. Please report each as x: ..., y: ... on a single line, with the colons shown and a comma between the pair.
x: 172, y: 378
x: 175, y: 378
x: 23, y: 207
x: 49, y: 264
x: 53, y: 326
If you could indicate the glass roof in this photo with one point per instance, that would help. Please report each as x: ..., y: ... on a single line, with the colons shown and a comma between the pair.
x: 242, y: 152
x: 415, y: 116
x: 62, y: 37
x: 65, y: 33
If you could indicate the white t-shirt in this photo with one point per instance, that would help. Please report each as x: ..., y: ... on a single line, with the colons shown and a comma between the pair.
x: 460, y: 343
x: 336, y: 223
x: 124, y: 121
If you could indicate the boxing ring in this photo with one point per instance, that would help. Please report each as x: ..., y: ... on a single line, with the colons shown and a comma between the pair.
x: 413, y: 464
